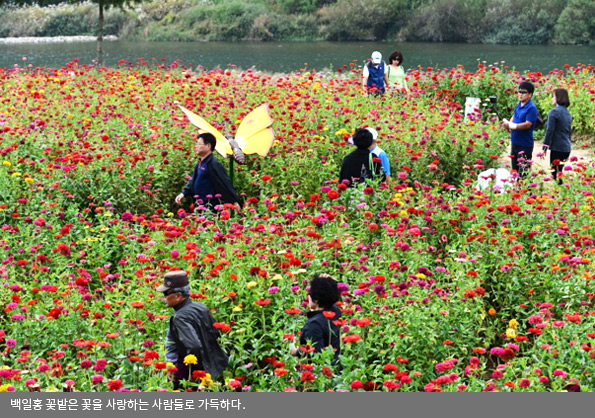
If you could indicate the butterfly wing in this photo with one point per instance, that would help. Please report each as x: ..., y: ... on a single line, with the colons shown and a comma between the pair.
x: 222, y: 146
x: 255, y: 135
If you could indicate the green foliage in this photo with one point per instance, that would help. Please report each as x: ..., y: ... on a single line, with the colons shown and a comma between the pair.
x: 521, y: 21
x: 489, y: 21
x: 447, y: 20
x: 577, y: 23
x: 349, y: 20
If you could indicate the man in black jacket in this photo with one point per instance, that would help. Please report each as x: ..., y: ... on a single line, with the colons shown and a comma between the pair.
x: 210, y: 185
x: 191, y: 343
x: 361, y: 164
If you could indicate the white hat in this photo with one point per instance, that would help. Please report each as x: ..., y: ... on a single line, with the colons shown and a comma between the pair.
x: 373, y: 131
x: 376, y: 57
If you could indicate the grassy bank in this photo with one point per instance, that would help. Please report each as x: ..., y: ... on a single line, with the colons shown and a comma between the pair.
x: 482, y: 21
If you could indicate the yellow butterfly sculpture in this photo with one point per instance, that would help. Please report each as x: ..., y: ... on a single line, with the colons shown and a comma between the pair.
x: 254, y: 135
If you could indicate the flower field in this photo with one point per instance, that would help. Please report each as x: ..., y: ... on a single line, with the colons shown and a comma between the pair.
x: 445, y: 288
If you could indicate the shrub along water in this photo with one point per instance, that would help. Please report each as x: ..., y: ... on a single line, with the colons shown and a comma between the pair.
x: 483, y: 21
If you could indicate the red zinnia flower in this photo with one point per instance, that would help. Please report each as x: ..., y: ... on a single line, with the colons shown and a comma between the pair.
x: 280, y: 371
x: 199, y: 374
x: 357, y: 384
x: 160, y: 365
x: 307, y: 376
x: 262, y: 301
x: 329, y: 314
x: 114, y: 385
x: 389, y: 367
x: 292, y: 311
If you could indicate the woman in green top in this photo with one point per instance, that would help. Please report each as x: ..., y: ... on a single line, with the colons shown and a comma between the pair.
x: 396, y: 72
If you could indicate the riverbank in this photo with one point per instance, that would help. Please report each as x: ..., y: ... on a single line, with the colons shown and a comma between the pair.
x: 54, y: 39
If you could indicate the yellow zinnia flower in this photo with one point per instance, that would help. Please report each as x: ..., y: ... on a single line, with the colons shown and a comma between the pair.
x: 190, y: 359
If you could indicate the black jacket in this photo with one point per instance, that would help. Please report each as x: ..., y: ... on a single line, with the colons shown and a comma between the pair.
x: 316, y: 329
x: 191, y: 329
x: 219, y: 180
x: 359, y: 166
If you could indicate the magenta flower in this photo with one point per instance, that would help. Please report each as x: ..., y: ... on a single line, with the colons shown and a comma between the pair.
x: 97, y: 379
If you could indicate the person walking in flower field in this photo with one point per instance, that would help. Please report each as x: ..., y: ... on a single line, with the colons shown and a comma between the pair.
x: 558, y: 133
x: 191, y: 343
x: 321, y: 328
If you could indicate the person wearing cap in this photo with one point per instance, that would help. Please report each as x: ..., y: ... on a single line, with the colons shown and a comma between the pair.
x: 210, y: 185
x: 361, y: 165
x: 191, y: 332
x: 521, y: 128
x: 379, y: 153
x: 375, y: 78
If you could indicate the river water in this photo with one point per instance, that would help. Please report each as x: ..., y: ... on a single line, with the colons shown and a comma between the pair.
x: 294, y: 56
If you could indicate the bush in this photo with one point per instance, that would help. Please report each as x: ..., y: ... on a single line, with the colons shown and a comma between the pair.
x: 447, y: 20
x: 17, y: 22
x: 576, y: 24
x: 359, y: 20
x: 71, y: 22
x: 294, y: 27
x: 506, y: 24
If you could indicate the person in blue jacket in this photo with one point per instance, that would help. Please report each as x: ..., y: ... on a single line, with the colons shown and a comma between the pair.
x: 210, y: 185
x: 375, y: 78
x: 521, y: 128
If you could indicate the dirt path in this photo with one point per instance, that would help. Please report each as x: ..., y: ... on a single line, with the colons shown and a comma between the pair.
x: 579, y: 155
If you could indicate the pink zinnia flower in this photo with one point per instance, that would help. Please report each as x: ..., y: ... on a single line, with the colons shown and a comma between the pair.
x: 100, y: 365
x: 97, y: 379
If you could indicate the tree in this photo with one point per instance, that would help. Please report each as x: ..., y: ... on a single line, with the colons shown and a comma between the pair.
x: 102, y: 4
x: 576, y: 24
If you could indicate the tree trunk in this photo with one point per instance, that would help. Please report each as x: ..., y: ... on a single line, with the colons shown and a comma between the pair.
x: 100, y: 34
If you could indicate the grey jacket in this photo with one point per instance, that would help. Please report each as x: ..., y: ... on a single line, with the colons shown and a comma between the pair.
x: 558, y: 129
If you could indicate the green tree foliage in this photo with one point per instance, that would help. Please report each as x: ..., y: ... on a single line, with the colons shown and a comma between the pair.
x: 521, y: 21
x: 101, y: 4
x: 446, y: 20
x: 577, y: 23
x: 483, y: 21
x: 349, y: 20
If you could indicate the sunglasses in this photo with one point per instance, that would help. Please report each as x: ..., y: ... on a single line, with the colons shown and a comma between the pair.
x: 168, y: 292
x: 522, y: 92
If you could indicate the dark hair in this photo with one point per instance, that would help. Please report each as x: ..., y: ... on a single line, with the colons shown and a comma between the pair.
x: 396, y: 55
x: 527, y: 86
x: 362, y: 138
x: 324, y: 290
x: 562, y: 97
x: 208, y: 139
